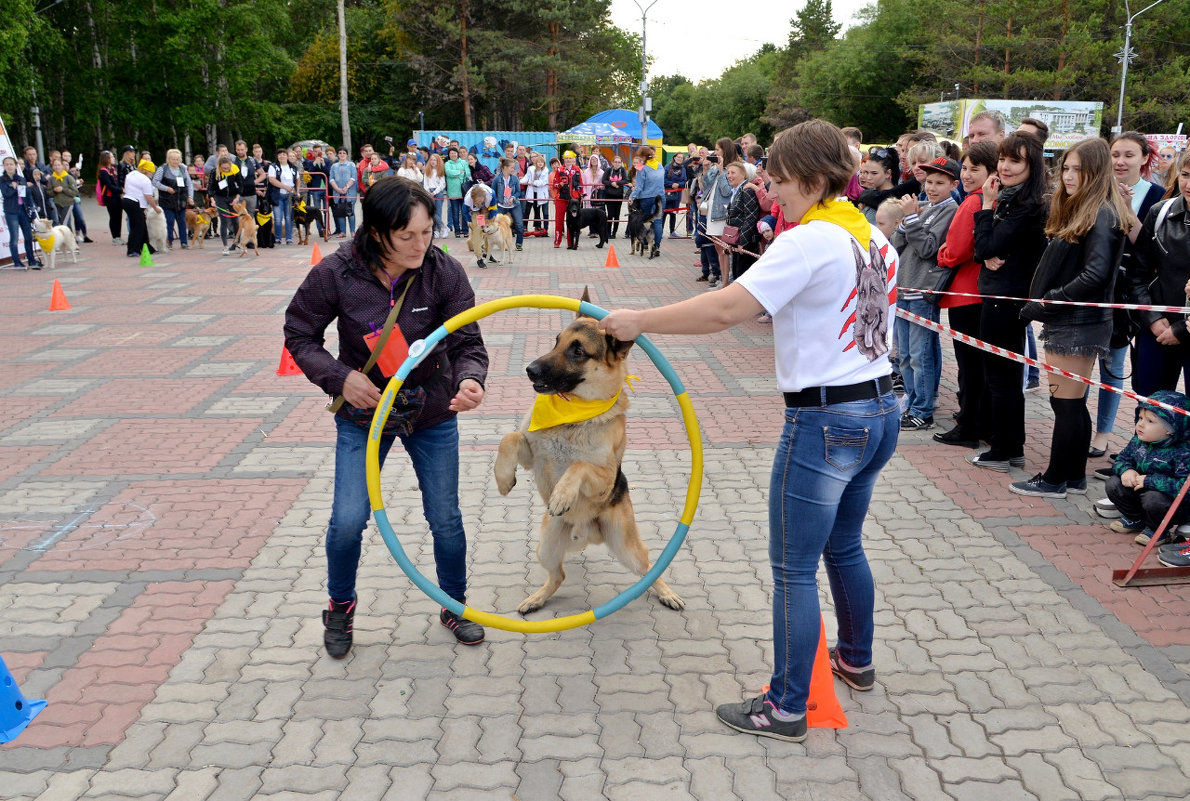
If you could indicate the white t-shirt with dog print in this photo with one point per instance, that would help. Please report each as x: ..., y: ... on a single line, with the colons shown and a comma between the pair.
x: 808, y: 280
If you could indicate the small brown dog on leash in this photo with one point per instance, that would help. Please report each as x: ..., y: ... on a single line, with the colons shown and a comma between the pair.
x: 246, y: 228
x: 198, y: 225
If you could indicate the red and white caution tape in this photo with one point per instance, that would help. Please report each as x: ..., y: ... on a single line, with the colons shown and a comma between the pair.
x: 1017, y: 357
x: 1131, y: 306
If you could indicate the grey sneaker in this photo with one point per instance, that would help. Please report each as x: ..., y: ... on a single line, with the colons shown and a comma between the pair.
x: 758, y: 716
x: 862, y: 680
x: 1106, y: 509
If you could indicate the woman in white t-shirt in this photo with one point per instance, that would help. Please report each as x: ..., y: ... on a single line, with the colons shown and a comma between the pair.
x: 827, y: 284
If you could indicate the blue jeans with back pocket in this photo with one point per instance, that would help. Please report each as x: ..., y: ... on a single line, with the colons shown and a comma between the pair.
x: 827, y: 463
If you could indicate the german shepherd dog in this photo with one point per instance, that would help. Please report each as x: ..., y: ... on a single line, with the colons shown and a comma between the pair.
x: 640, y: 230
x: 576, y: 466
x: 578, y: 218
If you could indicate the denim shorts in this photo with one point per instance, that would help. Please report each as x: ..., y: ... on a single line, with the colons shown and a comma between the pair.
x: 1079, y: 339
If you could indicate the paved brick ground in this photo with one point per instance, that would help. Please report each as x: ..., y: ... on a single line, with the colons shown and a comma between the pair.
x: 163, y: 496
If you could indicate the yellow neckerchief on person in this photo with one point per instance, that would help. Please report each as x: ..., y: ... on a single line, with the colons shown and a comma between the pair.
x: 844, y: 214
x: 60, y: 176
x: 233, y: 171
x: 560, y: 410
x: 654, y: 163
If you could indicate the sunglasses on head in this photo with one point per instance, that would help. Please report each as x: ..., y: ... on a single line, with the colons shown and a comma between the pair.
x: 880, y: 152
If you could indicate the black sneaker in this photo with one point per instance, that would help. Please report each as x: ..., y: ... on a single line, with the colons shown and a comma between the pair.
x: 1077, y: 486
x: 338, y: 619
x: 465, y: 631
x: 1104, y: 473
x: 1038, y: 487
x: 862, y: 680
x: 992, y: 461
x: 956, y: 437
x: 759, y: 716
x: 911, y: 422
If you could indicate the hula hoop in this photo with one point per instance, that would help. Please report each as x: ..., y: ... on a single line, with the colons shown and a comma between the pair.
x: 417, y: 351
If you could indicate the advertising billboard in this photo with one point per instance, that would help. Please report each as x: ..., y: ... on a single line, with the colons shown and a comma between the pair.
x: 1069, y: 121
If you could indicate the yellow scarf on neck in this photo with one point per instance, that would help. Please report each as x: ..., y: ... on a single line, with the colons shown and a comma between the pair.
x: 843, y: 214
x: 654, y: 163
x: 560, y: 410
x: 60, y: 176
x: 46, y: 244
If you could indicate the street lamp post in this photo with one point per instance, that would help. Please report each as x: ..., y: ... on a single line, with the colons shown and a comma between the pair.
x: 344, y: 121
x: 644, y: 70
x: 1125, y: 56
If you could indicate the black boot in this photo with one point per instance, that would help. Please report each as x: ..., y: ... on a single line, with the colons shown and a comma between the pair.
x: 338, y: 619
x: 655, y: 252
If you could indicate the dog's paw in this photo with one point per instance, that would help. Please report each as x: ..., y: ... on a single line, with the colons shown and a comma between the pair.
x: 505, y: 479
x: 563, y: 498
x: 531, y: 604
x: 671, y: 599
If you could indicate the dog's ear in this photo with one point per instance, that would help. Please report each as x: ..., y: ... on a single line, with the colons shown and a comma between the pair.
x: 586, y: 298
x: 617, y: 349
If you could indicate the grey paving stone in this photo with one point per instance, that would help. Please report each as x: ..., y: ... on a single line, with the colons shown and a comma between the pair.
x: 303, y: 779
x: 1009, y: 790
x: 194, y: 785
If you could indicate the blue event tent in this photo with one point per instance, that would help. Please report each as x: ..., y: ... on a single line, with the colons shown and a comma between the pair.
x: 627, y: 121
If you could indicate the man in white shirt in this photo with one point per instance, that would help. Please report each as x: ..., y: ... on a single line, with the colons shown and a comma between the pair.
x: 138, y: 196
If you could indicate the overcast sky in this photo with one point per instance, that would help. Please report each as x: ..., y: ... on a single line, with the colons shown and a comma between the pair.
x: 681, y: 41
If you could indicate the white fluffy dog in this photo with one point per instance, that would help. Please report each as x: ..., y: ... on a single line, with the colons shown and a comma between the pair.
x: 53, y: 238
x: 155, y: 222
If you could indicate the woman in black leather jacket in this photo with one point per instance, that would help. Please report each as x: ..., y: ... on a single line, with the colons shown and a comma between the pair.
x: 1009, y: 240
x: 1159, y: 273
x: 1088, y: 223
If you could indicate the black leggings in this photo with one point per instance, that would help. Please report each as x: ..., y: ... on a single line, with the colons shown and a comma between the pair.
x: 1000, y: 324
x: 138, y: 232
x: 613, y: 215
x: 115, y: 214
x: 965, y: 320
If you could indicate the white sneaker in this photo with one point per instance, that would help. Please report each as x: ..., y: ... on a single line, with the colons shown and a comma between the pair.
x: 1106, y: 509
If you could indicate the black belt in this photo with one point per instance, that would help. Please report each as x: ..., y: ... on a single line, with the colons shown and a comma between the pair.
x: 825, y: 396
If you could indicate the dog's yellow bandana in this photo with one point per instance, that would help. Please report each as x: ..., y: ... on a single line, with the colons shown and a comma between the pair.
x: 560, y: 410
x: 843, y: 214
x: 46, y: 244
x: 261, y: 219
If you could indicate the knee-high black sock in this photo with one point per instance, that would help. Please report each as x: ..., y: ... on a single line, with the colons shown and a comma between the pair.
x: 1068, y: 445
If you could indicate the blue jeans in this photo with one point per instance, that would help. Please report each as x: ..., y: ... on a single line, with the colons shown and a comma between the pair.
x: 917, y: 357
x: 1111, y: 372
x: 175, y: 219
x: 518, y: 222
x: 455, y: 216
x: 1031, y: 373
x: 15, y: 223
x: 828, y: 460
x: 648, y: 205
x: 283, y: 218
x: 438, y: 201
x: 434, y: 453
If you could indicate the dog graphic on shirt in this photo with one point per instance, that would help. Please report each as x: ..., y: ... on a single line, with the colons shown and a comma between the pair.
x: 871, y: 303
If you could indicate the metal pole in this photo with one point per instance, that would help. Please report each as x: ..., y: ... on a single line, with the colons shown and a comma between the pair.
x: 343, y: 115
x: 644, y: 69
x: 1125, y: 57
x: 37, y: 124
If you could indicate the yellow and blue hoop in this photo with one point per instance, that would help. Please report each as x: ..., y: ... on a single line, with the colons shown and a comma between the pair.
x: 418, y: 351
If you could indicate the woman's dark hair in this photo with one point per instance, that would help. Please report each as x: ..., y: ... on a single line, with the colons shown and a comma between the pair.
x: 105, y: 160
x: 388, y: 207
x: 726, y: 145
x: 1136, y: 137
x: 1029, y: 149
x: 450, y: 150
x: 888, y: 158
x: 816, y: 155
x: 982, y: 154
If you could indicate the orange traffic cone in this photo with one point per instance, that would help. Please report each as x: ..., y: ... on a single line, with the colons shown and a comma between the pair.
x: 315, y: 255
x: 58, y: 300
x: 822, y: 707
x: 288, y: 366
x: 612, y: 261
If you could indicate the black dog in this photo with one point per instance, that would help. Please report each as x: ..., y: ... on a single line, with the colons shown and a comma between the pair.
x: 264, y: 221
x: 578, y: 218
x: 640, y: 230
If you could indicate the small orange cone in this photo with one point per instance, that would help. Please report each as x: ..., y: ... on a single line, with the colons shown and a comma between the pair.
x: 315, y: 255
x: 822, y: 707
x: 612, y: 261
x: 58, y: 300
x: 288, y: 366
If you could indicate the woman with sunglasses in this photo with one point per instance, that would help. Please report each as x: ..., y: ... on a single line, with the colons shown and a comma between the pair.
x: 876, y: 176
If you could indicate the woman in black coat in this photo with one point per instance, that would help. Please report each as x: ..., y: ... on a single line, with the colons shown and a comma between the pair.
x: 1009, y: 241
x: 1087, y: 224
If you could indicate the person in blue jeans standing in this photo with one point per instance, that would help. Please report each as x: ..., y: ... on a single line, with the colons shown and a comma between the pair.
x: 390, y: 264
x: 506, y: 189
x: 648, y: 192
x: 14, y: 189
x: 826, y: 283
